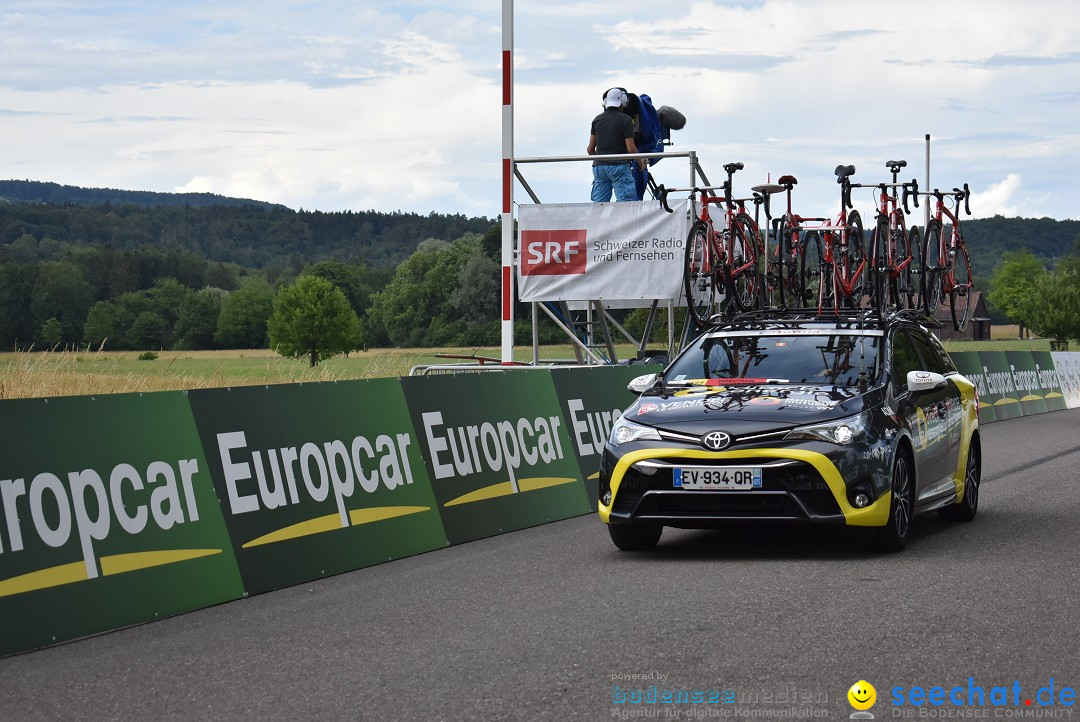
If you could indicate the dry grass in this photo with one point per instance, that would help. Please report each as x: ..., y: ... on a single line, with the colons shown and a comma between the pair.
x: 85, y: 372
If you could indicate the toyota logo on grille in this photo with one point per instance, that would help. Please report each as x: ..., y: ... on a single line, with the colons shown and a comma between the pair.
x: 716, y: 440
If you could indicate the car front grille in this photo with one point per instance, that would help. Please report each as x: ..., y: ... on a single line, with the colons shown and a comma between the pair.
x: 794, y: 490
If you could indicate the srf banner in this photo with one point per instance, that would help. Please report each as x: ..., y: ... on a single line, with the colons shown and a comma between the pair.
x: 630, y: 251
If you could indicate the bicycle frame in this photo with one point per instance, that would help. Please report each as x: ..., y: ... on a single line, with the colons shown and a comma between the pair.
x: 721, y: 243
x: 837, y: 244
x: 955, y: 239
x: 724, y: 259
x: 889, y: 208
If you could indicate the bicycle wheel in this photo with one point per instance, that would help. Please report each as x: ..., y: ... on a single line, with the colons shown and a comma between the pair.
x: 815, y: 278
x: 960, y: 293
x: 698, y: 274
x: 745, y: 263
x: 878, y: 268
x: 789, y: 266
x: 907, y: 282
x: 931, y: 281
x: 848, y: 265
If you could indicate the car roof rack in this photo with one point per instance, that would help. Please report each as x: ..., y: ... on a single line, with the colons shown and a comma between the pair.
x: 844, y: 318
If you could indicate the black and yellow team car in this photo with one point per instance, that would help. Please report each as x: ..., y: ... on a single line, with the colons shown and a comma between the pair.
x: 859, y: 421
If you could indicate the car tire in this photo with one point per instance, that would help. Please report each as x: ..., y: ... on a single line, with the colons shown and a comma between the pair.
x: 893, y: 536
x: 635, y: 537
x: 966, y: 508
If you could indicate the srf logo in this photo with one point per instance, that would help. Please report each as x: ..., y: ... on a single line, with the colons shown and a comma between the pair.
x: 553, y: 253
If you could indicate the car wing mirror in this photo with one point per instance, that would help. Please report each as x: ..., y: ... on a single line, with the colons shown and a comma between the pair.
x: 641, y: 384
x: 918, y: 381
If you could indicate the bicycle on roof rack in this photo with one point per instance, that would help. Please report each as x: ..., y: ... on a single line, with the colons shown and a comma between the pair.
x: 720, y: 262
x: 946, y: 264
x: 781, y: 285
x: 893, y: 249
x: 830, y: 256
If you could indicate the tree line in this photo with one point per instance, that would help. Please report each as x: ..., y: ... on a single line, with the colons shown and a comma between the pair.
x: 445, y: 293
x: 248, y: 234
x: 206, y: 277
x: 1045, y: 300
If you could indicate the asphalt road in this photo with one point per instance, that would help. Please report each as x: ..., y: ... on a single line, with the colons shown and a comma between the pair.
x: 553, y: 622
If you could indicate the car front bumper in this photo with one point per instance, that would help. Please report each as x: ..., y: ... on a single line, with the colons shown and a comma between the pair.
x: 811, y: 482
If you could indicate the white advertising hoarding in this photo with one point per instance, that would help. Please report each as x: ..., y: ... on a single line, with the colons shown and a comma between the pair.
x: 1067, y: 365
x: 611, y: 252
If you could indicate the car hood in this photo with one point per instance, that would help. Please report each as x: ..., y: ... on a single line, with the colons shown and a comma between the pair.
x: 745, y: 408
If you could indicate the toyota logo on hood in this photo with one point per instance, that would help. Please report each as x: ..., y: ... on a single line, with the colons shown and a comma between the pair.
x: 716, y: 440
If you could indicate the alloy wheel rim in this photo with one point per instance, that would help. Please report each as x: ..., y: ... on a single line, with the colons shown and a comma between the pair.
x: 971, y: 482
x: 901, y: 502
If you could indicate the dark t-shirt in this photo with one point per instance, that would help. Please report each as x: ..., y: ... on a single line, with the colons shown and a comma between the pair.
x: 611, y: 128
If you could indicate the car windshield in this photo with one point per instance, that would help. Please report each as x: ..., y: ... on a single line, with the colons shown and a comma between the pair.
x: 795, y: 358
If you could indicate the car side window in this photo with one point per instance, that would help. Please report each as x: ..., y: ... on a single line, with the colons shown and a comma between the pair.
x: 943, y: 354
x: 930, y: 357
x: 904, y: 359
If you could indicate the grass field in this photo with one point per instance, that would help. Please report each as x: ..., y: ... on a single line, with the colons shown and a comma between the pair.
x: 37, y: 374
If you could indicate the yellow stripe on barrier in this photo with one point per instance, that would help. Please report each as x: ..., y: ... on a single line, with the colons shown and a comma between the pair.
x: 44, y: 578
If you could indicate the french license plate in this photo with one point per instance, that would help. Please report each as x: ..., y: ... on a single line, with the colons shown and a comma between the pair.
x: 728, y: 477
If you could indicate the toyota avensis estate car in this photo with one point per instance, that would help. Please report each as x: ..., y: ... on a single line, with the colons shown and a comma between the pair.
x: 859, y: 421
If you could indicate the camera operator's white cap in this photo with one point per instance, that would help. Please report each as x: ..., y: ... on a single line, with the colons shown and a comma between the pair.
x: 615, y: 98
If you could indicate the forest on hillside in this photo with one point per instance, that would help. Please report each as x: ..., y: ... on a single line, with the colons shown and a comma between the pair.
x: 248, y: 233
x: 155, y: 271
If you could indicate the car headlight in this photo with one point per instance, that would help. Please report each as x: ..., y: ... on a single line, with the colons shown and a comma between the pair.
x: 842, y: 432
x: 626, y: 431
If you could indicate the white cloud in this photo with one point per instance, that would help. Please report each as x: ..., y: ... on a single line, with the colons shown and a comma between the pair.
x: 398, y: 105
x: 999, y: 199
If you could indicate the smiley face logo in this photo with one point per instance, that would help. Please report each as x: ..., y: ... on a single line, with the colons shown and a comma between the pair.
x: 862, y: 695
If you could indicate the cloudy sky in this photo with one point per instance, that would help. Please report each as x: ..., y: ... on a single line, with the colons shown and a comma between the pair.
x: 372, y: 104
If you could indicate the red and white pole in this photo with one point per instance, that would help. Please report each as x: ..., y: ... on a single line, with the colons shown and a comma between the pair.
x: 507, y: 181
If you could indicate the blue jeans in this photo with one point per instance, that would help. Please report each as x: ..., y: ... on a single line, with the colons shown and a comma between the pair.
x: 619, y: 178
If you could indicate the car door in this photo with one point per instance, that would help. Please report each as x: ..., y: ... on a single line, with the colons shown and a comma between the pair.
x: 924, y: 414
x: 935, y: 359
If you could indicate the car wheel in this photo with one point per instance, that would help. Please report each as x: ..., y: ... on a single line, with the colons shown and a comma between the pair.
x: 893, y: 536
x: 965, y: 509
x: 635, y: 537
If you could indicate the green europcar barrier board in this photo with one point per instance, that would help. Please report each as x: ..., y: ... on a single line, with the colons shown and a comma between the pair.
x: 1049, y: 383
x: 1026, y: 381
x: 592, y: 400
x: 969, y: 364
x: 497, y: 451
x: 108, y: 517
x: 317, y: 479
x: 1002, y: 393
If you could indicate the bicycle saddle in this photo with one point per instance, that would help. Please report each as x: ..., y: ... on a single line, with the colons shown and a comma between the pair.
x: 732, y: 167
x: 843, y: 171
x: 895, y: 165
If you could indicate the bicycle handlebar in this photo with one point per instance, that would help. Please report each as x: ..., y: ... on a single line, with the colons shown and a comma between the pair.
x: 911, y: 189
x: 663, y: 192
x: 959, y: 194
x: 967, y: 194
x: 663, y: 197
